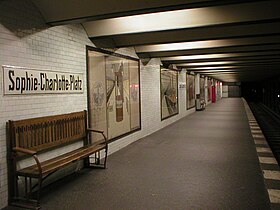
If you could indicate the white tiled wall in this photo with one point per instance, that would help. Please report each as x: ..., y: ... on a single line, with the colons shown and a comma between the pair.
x: 25, y: 41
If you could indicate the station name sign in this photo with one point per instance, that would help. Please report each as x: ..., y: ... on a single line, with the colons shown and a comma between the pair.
x: 22, y: 81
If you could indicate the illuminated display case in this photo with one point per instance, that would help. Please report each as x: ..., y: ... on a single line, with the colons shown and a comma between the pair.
x: 190, y: 91
x: 209, y: 88
x: 113, y: 93
x: 202, y: 88
x: 168, y: 92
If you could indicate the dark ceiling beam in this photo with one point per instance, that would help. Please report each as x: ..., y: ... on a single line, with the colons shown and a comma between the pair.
x: 188, y: 18
x: 77, y: 11
x: 237, y: 70
x: 234, y: 67
x: 258, y: 40
x: 249, y: 30
x: 208, y: 57
x: 262, y: 28
x: 241, y: 77
x: 235, y: 60
x: 214, y: 50
x: 223, y: 68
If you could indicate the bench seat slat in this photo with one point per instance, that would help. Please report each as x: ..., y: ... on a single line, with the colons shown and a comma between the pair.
x: 58, y: 162
x: 30, y: 137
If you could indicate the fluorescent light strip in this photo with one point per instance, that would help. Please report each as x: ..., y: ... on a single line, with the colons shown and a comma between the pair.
x: 213, y: 67
x: 197, y: 57
x: 206, y: 44
x: 185, y: 45
x: 220, y: 73
x: 208, y: 63
x: 214, y: 71
x: 184, y: 18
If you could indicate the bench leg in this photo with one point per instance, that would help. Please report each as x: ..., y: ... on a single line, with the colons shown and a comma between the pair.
x: 16, y: 185
x: 40, y: 180
x: 86, y: 162
x: 106, y: 154
x: 97, y: 160
x: 25, y: 199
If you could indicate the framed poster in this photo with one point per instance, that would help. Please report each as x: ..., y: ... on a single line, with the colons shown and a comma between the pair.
x: 190, y: 91
x: 113, y: 93
x: 202, y: 88
x: 209, y: 88
x: 168, y: 92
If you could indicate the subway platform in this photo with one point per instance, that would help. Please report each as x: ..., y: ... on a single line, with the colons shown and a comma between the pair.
x: 207, y: 160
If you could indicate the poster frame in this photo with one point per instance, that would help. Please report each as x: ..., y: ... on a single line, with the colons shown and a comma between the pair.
x: 110, y: 53
x: 187, y: 90
x: 177, y: 76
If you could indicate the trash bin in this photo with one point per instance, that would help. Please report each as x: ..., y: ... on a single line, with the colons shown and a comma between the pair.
x: 197, y: 104
x: 200, y: 104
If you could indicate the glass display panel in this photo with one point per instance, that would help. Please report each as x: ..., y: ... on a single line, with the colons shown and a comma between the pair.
x: 202, y: 88
x: 209, y: 87
x: 190, y: 91
x: 169, y: 92
x: 114, y: 93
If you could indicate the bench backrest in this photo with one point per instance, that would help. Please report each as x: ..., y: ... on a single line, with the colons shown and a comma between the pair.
x: 46, y: 132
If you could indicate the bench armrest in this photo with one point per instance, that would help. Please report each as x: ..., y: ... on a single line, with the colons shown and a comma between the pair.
x: 30, y: 152
x: 98, y: 131
x: 93, y: 130
x: 25, y: 151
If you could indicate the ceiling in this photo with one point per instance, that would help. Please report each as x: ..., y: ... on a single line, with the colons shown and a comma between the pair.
x: 230, y: 40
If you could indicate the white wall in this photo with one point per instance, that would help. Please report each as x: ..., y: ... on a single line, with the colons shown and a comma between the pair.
x: 25, y: 41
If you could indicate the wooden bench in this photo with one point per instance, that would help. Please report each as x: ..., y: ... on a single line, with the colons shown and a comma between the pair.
x: 31, y: 137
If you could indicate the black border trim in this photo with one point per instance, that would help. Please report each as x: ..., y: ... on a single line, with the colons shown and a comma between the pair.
x: 110, y: 53
x: 189, y: 73
x: 177, y: 71
x: 90, y: 48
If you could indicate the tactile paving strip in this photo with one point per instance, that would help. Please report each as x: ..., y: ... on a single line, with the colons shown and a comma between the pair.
x: 268, y: 163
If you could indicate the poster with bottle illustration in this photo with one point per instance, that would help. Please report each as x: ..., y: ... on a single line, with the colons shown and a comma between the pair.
x: 169, y: 92
x: 190, y: 91
x: 118, y: 100
x: 114, y: 93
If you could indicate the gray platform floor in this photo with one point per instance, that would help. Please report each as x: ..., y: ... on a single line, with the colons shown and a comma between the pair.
x: 206, y: 160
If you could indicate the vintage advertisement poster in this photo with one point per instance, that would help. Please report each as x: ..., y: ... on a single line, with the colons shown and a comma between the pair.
x: 190, y: 91
x: 202, y: 88
x: 169, y: 92
x: 114, y: 95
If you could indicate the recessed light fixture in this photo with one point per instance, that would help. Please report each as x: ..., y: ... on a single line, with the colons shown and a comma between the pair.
x: 209, y: 63
x: 185, y: 45
x: 213, y: 67
x: 197, y: 57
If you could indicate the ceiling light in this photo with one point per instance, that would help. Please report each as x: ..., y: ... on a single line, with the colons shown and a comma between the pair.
x: 213, y: 67
x: 196, y: 57
x: 208, y: 63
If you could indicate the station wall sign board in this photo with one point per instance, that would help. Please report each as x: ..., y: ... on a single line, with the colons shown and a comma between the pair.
x: 24, y: 81
x: 182, y: 85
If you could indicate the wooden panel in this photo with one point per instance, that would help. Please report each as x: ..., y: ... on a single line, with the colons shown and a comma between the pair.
x: 62, y: 160
x: 46, y: 132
